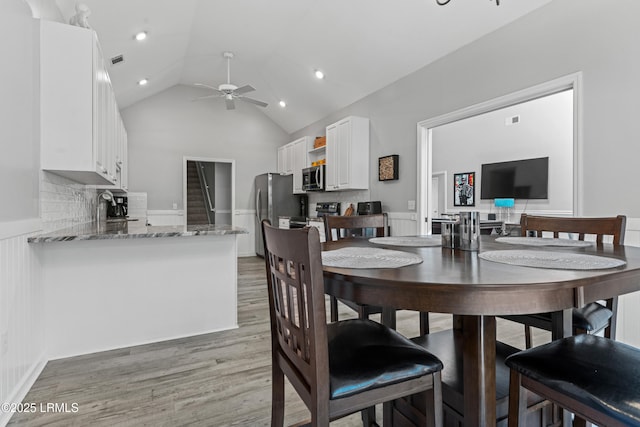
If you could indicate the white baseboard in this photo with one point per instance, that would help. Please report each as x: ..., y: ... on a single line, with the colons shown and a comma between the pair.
x: 21, y: 390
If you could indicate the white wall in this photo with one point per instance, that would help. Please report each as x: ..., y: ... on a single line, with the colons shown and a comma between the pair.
x: 21, y: 295
x: 596, y: 37
x: 223, y: 193
x: 545, y: 130
x: 166, y: 127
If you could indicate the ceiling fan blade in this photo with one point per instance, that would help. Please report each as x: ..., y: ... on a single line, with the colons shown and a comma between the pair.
x: 253, y: 101
x: 215, y: 89
x: 230, y: 104
x: 206, y: 97
x: 244, y: 89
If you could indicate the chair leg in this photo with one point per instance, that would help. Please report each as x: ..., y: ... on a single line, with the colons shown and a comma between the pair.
x: 424, y: 323
x: 610, y: 331
x: 527, y: 336
x: 277, y: 395
x: 517, y: 401
x: 369, y: 417
x: 436, y: 419
x: 333, y: 303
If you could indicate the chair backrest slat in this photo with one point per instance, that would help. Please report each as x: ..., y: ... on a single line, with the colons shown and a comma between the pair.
x: 296, y: 299
x: 600, y: 227
x: 355, y: 226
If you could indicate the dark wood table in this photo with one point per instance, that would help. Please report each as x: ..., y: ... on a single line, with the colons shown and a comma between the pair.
x: 460, y: 283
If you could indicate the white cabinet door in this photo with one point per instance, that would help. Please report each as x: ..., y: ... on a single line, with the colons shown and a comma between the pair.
x: 285, y: 159
x: 331, y: 168
x: 281, y: 160
x: 343, y: 154
x: 288, y: 159
x: 348, y: 154
x: 79, y: 115
x: 301, y: 149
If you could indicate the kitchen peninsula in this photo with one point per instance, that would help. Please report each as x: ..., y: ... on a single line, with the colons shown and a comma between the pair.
x: 126, y: 284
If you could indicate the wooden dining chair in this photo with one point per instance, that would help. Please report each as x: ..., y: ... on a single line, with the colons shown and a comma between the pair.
x: 593, y: 317
x: 338, y: 368
x: 596, y: 378
x: 359, y: 226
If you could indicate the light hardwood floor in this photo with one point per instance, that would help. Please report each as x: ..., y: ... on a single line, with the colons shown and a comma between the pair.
x: 218, y: 379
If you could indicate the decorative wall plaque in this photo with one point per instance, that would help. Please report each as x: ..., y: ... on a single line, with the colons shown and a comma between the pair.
x: 388, y: 168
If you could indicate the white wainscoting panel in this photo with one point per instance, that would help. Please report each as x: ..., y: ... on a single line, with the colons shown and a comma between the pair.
x: 629, y: 305
x: 165, y: 217
x: 22, y: 344
x: 245, y: 218
x: 403, y: 223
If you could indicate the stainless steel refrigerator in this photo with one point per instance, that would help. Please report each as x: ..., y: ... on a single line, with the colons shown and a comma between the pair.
x: 274, y: 198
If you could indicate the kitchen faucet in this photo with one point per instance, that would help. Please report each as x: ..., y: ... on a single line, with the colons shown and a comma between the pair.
x: 101, y: 209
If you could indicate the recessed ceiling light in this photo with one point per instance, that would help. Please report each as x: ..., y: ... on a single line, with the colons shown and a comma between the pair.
x: 141, y: 36
x: 143, y: 82
x: 319, y: 74
x: 283, y: 104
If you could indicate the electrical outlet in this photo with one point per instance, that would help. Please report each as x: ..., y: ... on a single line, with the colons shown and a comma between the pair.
x: 175, y: 205
x: 411, y: 205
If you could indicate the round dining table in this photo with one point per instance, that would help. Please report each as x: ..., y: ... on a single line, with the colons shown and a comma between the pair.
x: 475, y: 291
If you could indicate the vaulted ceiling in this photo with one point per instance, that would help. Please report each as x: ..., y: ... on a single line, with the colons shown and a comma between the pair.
x: 360, y: 45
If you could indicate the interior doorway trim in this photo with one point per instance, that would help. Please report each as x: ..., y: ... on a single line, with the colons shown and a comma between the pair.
x: 185, y: 159
x: 425, y: 137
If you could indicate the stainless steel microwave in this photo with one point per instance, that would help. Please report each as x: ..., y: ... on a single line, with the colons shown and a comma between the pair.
x: 313, y: 178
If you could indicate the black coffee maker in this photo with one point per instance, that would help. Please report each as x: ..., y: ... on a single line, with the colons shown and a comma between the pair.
x: 119, y: 209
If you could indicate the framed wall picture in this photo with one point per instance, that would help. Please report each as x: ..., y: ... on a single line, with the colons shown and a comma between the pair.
x: 464, y: 190
x: 388, y: 168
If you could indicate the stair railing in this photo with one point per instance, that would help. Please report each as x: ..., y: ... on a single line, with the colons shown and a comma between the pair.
x: 204, y: 186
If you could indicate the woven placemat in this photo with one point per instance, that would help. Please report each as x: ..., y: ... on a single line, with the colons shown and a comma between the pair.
x: 415, y: 241
x: 544, y: 241
x: 555, y: 260
x: 368, y: 258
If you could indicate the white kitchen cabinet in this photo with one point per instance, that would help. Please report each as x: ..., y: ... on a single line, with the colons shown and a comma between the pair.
x: 348, y: 154
x: 79, y: 117
x: 300, y: 156
x: 292, y: 158
x: 121, y: 160
x: 285, y: 159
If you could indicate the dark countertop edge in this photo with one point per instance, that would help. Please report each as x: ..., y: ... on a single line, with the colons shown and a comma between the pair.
x: 62, y: 237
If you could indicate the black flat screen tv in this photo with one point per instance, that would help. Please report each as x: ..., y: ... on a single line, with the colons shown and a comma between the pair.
x: 518, y: 179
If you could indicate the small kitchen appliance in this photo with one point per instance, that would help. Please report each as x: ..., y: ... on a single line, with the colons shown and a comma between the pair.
x: 119, y: 209
x: 313, y: 178
x: 369, y: 208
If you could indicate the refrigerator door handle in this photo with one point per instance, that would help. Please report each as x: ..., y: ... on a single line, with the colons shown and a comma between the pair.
x: 258, y: 208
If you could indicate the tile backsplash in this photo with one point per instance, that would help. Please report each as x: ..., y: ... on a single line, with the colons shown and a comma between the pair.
x: 64, y: 203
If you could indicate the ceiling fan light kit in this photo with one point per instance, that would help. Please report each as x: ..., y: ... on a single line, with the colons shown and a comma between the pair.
x: 231, y: 92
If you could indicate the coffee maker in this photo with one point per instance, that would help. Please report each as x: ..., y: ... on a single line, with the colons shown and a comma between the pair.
x: 118, y: 209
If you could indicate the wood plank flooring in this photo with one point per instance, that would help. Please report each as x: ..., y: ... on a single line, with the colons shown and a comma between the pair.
x: 218, y: 379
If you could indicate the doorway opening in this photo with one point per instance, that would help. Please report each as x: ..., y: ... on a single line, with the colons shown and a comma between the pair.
x: 427, y: 129
x: 208, y: 191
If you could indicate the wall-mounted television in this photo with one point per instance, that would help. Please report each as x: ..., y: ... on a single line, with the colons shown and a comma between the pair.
x: 518, y: 179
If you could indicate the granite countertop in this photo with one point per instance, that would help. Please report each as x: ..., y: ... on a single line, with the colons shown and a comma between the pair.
x: 132, y: 230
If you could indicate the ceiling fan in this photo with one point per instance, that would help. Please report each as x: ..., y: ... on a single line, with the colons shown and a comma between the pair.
x: 229, y: 91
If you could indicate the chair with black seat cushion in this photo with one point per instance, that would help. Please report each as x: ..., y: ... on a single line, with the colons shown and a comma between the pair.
x: 596, y: 378
x: 593, y: 317
x: 338, y: 368
x: 360, y: 226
